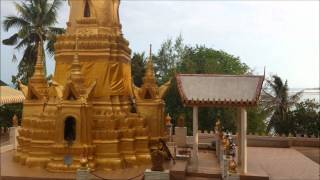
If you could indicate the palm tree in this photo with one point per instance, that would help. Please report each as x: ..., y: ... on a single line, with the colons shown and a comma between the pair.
x: 35, y: 22
x: 138, y: 63
x: 276, y: 100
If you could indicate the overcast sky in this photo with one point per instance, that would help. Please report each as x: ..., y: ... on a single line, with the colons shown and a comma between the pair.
x: 281, y: 35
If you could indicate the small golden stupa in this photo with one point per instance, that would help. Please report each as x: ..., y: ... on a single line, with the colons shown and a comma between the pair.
x: 91, y: 108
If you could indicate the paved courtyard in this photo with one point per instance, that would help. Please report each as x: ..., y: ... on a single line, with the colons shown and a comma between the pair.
x: 311, y: 152
x: 277, y: 163
x: 15, y: 171
x: 282, y: 164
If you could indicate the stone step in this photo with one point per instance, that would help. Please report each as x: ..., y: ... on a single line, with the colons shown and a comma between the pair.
x: 205, y: 174
x: 179, y: 169
x: 201, y: 178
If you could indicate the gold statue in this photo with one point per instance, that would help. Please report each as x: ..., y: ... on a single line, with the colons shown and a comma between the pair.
x: 87, y: 107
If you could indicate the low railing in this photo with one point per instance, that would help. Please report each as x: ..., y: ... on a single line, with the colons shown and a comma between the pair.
x: 207, y: 138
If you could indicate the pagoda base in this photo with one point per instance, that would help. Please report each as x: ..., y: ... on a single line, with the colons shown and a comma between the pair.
x: 109, y: 163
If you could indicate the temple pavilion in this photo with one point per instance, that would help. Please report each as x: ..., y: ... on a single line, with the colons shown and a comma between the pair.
x: 218, y: 90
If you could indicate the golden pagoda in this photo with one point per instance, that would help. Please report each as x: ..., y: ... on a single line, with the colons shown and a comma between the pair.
x: 91, y: 108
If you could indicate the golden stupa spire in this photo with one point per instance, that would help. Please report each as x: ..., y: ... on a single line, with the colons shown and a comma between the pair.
x: 39, y: 72
x: 38, y: 82
x: 76, y: 75
x: 150, y: 52
x: 150, y: 76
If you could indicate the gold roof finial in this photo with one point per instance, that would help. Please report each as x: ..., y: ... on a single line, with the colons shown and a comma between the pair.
x: 76, y: 74
x: 38, y: 80
x: 39, y: 69
x: 150, y: 70
x: 39, y: 75
x: 150, y: 52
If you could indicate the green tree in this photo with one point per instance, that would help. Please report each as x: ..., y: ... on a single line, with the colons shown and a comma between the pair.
x: 305, y: 118
x: 201, y: 59
x: 138, y: 63
x: 256, y: 120
x: 276, y: 100
x: 168, y: 57
x: 35, y: 21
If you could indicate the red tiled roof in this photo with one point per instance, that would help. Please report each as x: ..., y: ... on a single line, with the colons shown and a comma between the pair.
x: 219, y: 90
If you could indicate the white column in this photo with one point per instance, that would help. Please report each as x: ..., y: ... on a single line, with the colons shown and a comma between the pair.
x: 238, y: 122
x: 243, y: 147
x: 195, y: 136
x: 13, y: 134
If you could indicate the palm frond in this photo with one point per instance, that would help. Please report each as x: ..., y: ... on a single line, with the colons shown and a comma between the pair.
x: 50, y: 47
x: 293, y: 99
x: 57, y: 31
x: 23, y: 43
x: 23, y: 10
x: 14, y: 58
x: 51, y: 38
x: 14, y: 21
x: 51, y: 14
x: 11, y: 40
x: 25, y: 31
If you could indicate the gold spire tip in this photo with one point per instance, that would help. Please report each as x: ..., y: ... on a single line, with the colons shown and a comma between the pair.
x: 150, y: 52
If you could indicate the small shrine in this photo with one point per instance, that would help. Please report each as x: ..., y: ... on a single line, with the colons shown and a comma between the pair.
x: 91, y: 109
x: 219, y: 90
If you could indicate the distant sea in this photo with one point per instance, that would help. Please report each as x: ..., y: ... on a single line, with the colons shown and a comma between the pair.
x: 308, y: 93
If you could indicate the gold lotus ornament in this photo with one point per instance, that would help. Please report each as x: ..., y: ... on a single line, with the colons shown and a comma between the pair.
x: 84, y: 162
